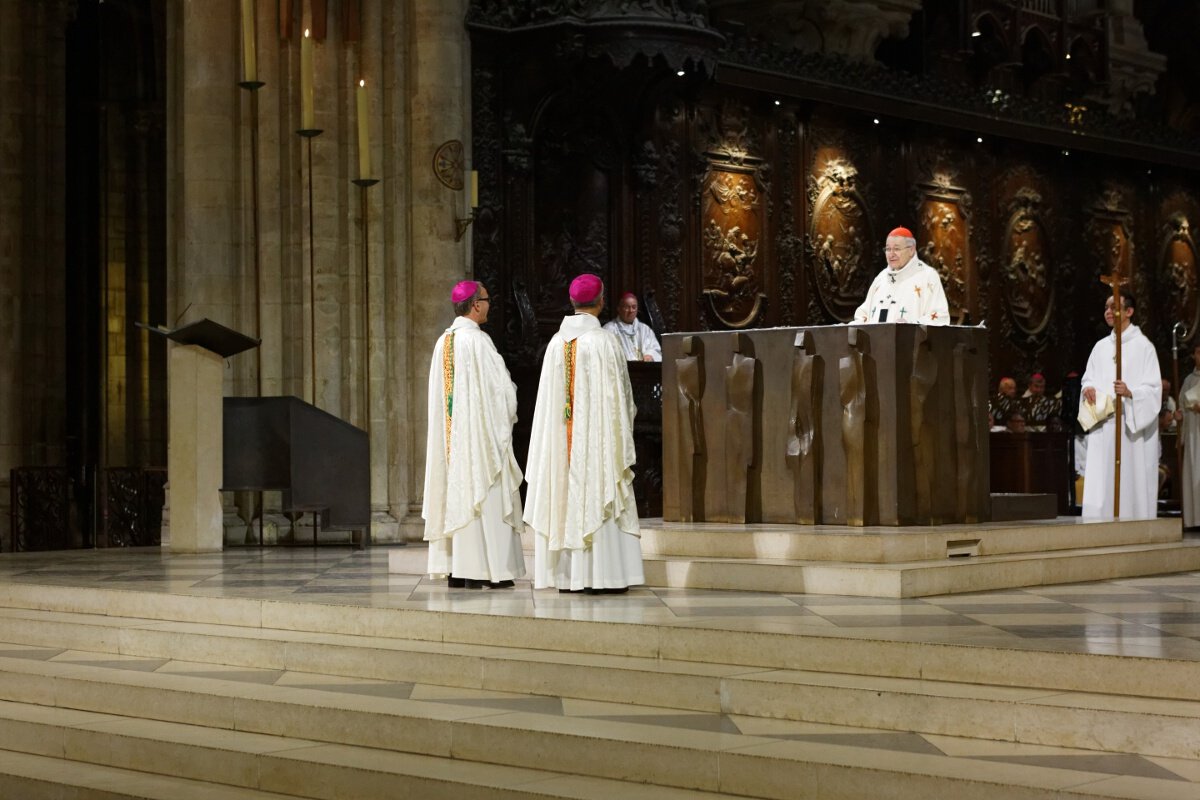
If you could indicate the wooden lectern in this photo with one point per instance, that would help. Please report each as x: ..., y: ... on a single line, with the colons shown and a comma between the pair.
x: 195, y: 378
x: 835, y: 425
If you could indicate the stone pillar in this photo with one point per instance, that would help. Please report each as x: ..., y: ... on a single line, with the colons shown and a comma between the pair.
x: 194, y: 462
x: 32, y: 352
x: 206, y: 218
x: 11, y: 221
x: 438, y: 96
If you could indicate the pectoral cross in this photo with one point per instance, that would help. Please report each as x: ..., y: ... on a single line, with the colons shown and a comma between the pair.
x: 1116, y: 281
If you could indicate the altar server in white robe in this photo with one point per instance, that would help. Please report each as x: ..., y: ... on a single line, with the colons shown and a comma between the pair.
x: 580, y: 504
x: 1189, y: 440
x: 636, y: 337
x: 472, y: 506
x: 907, y: 290
x: 1141, y: 389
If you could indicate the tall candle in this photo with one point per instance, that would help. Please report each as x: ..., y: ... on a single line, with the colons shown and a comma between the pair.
x: 364, y: 132
x: 307, y: 119
x: 474, y: 189
x: 249, y: 55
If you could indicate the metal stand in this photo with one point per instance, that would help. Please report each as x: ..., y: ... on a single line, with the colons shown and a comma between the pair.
x: 309, y: 134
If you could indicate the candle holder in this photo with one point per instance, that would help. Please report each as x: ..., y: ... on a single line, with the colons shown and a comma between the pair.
x: 461, y: 225
x: 309, y: 134
x: 252, y: 87
x: 363, y: 184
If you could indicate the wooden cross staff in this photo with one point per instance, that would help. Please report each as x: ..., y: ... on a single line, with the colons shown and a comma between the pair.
x: 1116, y: 281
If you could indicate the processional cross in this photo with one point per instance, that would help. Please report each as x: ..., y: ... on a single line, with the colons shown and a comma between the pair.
x: 1116, y: 281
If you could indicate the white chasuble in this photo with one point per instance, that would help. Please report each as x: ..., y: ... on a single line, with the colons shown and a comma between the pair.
x: 911, y: 294
x: 580, y: 504
x: 1138, y: 427
x: 472, y: 504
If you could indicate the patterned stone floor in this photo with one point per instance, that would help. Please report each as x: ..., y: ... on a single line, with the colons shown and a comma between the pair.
x: 1157, y: 617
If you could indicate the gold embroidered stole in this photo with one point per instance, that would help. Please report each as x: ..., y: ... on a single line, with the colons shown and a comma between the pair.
x: 568, y: 409
x: 448, y: 384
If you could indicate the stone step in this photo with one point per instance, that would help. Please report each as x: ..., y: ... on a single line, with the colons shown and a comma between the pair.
x: 32, y: 777
x: 880, y: 545
x: 528, y: 653
x: 230, y: 763
x: 1033, y: 714
x: 315, y: 743
x: 926, y: 578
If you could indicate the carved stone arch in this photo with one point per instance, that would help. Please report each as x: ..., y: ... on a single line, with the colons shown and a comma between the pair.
x: 990, y: 51
x: 1038, y: 61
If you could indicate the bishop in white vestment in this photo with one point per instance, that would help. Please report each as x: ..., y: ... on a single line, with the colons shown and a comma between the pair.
x: 1141, y: 390
x: 1189, y: 440
x: 580, y: 504
x: 908, y: 289
x: 472, y: 505
x: 636, y: 337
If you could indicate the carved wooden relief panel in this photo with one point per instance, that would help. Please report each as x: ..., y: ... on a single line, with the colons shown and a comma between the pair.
x: 1025, y: 264
x: 840, y: 237
x: 731, y: 210
x: 733, y: 214
x: 1177, y: 263
x: 944, y: 238
x: 1110, y: 236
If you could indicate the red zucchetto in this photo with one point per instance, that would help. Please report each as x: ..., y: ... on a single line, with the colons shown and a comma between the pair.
x: 586, y: 288
x: 462, y: 290
x: 904, y: 232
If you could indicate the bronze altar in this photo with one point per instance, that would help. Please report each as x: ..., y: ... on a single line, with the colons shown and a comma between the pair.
x: 833, y: 425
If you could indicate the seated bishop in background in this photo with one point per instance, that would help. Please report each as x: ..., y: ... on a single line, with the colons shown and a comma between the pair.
x: 637, y: 339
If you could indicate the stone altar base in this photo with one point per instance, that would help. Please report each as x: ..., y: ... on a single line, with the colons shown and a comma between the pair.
x: 910, y: 561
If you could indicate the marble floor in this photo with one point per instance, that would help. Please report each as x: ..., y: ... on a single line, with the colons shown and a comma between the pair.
x: 1154, y: 617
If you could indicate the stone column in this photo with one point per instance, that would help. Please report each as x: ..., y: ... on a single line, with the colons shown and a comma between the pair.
x: 12, y: 95
x: 207, y: 218
x: 32, y: 398
x: 431, y: 95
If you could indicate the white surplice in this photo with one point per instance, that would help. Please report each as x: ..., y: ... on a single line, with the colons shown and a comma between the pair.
x: 911, y: 294
x: 1189, y: 439
x: 1138, y: 425
x: 580, y: 504
x: 637, y: 339
x: 472, y: 505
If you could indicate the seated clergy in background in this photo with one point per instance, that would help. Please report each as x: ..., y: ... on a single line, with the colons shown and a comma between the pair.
x: 1041, y: 410
x: 1004, y: 403
x: 1140, y: 387
x: 1189, y: 439
x: 580, y: 503
x: 637, y: 339
x: 908, y: 289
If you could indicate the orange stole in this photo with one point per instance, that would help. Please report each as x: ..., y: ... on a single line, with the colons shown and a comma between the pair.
x: 568, y: 409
